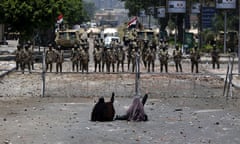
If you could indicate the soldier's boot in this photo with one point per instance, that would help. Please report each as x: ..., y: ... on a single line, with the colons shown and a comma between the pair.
x: 32, y: 66
x: 122, y: 67
x: 60, y: 68
x: 113, y: 67
x: 197, y: 68
x: 102, y: 67
x: 218, y: 66
x: 23, y: 67
x: 29, y: 68
x: 99, y: 67
x: 180, y: 66
x: 80, y: 65
x: 73, y: 67
x: 213, y: 65
x: 166, y: 68
x: 153, y: 67
x: 95, y: 67
x: 118, y: 67
x: 161, y: 68
x: 148, y: 67
x: 50, y: 67
x: 176, y: 67
x: 56, y: 68
x: 192, y: 67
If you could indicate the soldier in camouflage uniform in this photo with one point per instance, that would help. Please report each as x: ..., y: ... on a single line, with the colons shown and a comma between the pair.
x: 110, y: 59
x: 195, y: 58
x: 31, y: 53
x: 120, y: 58
x: 150, y: 57
x: 18, y: 58
x: 133, y: 56
x: 163, y: 58
x: 84, y: 59
x: 177, y: 57
x: 59, y: 59
x: 215, y: 57
x: 75, y: 56
x: 26, y: 59
x: 97, y: 56
x: 50, y: 57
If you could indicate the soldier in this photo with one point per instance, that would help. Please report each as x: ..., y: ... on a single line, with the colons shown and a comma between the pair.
x: 97, y: 56
x: 84, y: 59
x: 177, y: 57
x: 30, y: 49
x: 215, y: 57
x: 18, y: 58
x: 195, y: 58
x: 133, y: 56
x: 25, y: 55
x: 120, y: 58
x: 110, y: 59
x: 59, y: 59
x: 163, y: 58
x: 75, y: 57
x: 50, y: 57
x: 150, y: 57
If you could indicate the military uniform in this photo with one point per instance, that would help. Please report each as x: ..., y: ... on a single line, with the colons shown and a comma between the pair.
x: 215, y: 57
x: 26, y: 58
x: 150, y: 58
x: 177, y: 57
x: 163, y: 58
x: 97, y: 55
x: 84, y: 59
x: 195, y: 58
x: 31, y: 53
x: 120, y: 58
x: 75, y: 56
x: 59, y: 59
x: 18, y: 58
x: 50, y: 57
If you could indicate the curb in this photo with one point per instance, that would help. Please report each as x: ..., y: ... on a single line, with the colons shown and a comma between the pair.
x: 7, y: 72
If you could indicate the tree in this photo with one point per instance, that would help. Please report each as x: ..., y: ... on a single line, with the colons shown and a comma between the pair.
x: 29, y: 16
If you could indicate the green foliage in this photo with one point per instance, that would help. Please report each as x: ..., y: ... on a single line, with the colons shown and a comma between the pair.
x: 27, y: 16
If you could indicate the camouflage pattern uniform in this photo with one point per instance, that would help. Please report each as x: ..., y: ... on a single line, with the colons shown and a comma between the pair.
x: 84, y: 59
x: 50, y: 57
x: 215, y: 57
x: 59, y: 59
x: 26, y: 57
x: 195, y: 58
x: 31, y: 54
x: 97, y: 55
x: 150, y: 57
x: 163, y: 58
x: 75, y: 56
x: 177, y: 57
x: 120, y: 58
x: 110, y: 59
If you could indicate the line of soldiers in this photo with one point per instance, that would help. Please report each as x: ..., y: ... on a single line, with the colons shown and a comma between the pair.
x: 112, y: 55
x: 24, y: 57
x: 108, y: 55
x: 54, y: 55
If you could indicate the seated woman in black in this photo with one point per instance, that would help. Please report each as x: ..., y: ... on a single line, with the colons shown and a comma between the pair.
x: 135, y: 111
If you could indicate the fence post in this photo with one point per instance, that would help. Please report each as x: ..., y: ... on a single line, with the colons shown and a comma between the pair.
x: 137, y: 91
x: 43, y: 73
